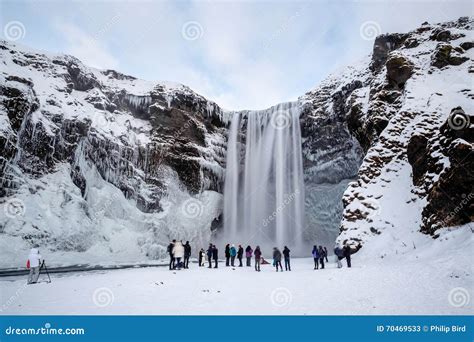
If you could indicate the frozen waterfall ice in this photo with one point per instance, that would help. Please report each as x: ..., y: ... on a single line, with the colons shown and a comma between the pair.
x: 264, y: 190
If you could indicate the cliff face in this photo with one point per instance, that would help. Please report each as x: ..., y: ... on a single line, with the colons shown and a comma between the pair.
x: 98, y: 161
x: 411, y: 111
x: 101, y: 144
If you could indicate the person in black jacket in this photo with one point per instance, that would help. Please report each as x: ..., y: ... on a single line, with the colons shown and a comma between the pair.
x: 227, y: 254
x: 326, y: 254
x: 201, y: 257
x: 215, y: 255
x: 286, y: 254
x: 187, y: 254
x: 170, y: 252
x: 209, y: 255
x: 347, y: 254
x: 321, y: 256
x: 277, y: 259
x: 240, y: 255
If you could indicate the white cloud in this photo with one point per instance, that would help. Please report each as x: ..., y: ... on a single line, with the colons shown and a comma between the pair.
x: 90, y: 50
x: 251, y: 54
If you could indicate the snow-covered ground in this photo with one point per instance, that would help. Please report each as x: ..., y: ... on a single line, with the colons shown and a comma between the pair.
x: 431, y: 279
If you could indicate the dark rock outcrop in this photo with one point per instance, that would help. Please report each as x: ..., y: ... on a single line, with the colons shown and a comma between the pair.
x: 383, y: 45
x: 399, y: 69
x: 445, y: 55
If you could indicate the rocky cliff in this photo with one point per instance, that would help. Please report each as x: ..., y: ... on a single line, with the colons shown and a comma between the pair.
x: 410, y: 109
x: 93, y: 158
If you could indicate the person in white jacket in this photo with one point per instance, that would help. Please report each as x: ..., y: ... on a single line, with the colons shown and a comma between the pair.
x: 35, y: 262
x: 178, y: 253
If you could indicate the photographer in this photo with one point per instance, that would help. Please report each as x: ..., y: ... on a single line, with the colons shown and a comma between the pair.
x: 34, y: 262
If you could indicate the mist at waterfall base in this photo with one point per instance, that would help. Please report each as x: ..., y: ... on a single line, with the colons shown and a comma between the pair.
x: 264, y: 186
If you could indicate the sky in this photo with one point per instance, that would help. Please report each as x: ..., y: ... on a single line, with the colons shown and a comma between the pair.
x: 240, y: 54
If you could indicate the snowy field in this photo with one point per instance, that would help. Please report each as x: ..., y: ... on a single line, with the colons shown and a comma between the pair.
x: 436, y: 279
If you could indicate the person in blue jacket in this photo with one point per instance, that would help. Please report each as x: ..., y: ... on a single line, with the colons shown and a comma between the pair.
x: 315, y: 253
x: 233, y: 253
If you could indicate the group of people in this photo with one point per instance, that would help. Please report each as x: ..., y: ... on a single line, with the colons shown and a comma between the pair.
x: 341, y: 253
x: 319, y: 255
x: 180, y: 253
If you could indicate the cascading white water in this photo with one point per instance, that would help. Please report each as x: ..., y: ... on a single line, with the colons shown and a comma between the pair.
x: 264, y: 190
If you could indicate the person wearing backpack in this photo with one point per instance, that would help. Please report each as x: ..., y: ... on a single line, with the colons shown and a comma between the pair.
x: 33, y: 263
x: 286, y: 254
x: 233, y: 253
x: 187, y: 254
x: 258, y: 256
x: 315, y: 254
x: 240, y: 254
x: 248, y: 255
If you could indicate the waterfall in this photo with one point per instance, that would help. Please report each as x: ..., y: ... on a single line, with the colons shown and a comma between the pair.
x: 263, y: 189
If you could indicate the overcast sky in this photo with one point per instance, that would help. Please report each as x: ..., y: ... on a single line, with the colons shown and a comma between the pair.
x: 241, y: 54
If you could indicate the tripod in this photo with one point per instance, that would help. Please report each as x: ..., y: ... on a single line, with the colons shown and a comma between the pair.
x: 43, y: 265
